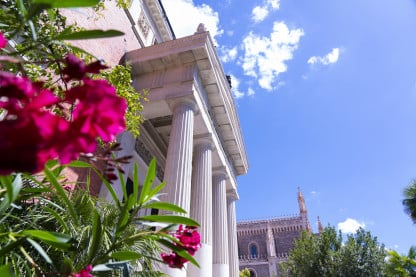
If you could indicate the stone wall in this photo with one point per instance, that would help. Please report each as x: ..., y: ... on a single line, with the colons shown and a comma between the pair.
x: 284, y: 241
x: 258, y: 239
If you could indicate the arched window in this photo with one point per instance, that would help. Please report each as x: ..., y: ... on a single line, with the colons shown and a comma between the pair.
x: 252, y: 273
x: 253, y: 250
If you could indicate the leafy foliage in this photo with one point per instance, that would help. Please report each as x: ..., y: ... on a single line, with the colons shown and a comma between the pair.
x: 326, y: 255
x: 401, y: 265
x: 245, y: 273
x: 409, y: 201
x: 120, y: 77
x: 52, y: 231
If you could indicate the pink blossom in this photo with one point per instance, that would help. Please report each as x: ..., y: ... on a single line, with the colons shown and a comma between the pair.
x: 190, y: 240
x: 31, y: 134
x: 77, y: 69
x: 18, y: 88
x: 3, y: 41
x: 173, y: 260
x: 84, y: 272
x: 27, y: 132
x: 99, y: 112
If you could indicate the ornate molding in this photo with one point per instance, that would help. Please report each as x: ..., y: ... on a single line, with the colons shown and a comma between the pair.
x: 147, y: 157
x: 143, y: 24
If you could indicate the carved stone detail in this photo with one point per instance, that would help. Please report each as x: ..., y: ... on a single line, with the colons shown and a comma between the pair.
x: 143, y: 24
x: 147, y: 157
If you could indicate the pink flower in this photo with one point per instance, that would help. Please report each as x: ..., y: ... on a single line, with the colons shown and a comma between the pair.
x: 77, y: 69
x: 84, y: 272
x: 31, y: 134
x: 190, y: 240
x: 173, y: 260
x: 27, y: 132
x: 3, y: 41
x: 99, y: 111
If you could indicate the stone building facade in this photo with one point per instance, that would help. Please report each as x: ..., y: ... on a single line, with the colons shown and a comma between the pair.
x: 191, y: 126
x: 263, y: 244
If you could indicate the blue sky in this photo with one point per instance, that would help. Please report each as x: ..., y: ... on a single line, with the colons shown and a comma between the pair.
x: 326, y: 94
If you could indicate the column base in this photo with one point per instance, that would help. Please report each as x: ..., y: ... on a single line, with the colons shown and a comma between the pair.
x: 204, y: 258
x: 220, y: 270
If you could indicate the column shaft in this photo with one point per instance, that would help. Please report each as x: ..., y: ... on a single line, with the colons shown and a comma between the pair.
x: 179, y: 158
x: 201, y: 208
x: 178, y: 168
x: 220, y: 227
x: 232, y: 238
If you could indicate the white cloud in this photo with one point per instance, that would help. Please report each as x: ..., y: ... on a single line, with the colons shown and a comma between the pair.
x: 265, y: 57
x: 259, y: 13
x: 331, y: 57
x: 228, y: 54
x: 350, y: 226
x: 250, y: 92
x: 235, y: 83
x: 187, y: 25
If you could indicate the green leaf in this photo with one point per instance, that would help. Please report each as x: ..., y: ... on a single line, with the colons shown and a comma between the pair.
x: 47, y: 236
x: 123, y: 185
x: 150, y: 177
x: 40, y: 250
x: 187, y: 256
x: 135, y: 183
x: 13, y: 188
x: 21, y: 7
x: 155, y: 191
x: 67, y: 3
x: 89, y: 34
x: 165, y: 206
x: 79, y: 164
x: 58, y: 240
x: 126, y: 255
x: 170, y: 219
x: 96, y: 236
x: 61, y: 193
x: 5, y: 271
x: 110, y: 188
x: 58, y: 218
x: 125, y: 214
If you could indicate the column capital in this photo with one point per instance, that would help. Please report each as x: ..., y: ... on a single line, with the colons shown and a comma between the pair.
x: 182, y: 103
x: 232, y: 195
x: 204, y: 140
x: 220, y: 172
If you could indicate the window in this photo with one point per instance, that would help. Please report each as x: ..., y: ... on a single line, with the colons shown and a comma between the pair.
x: 253, y: 250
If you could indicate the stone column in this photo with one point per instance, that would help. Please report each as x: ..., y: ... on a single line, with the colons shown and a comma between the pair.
x: 178, y: 168
x: 220, y: 226
x: 179, y: 165
x: 232, y: 234
x: 201, y: 206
